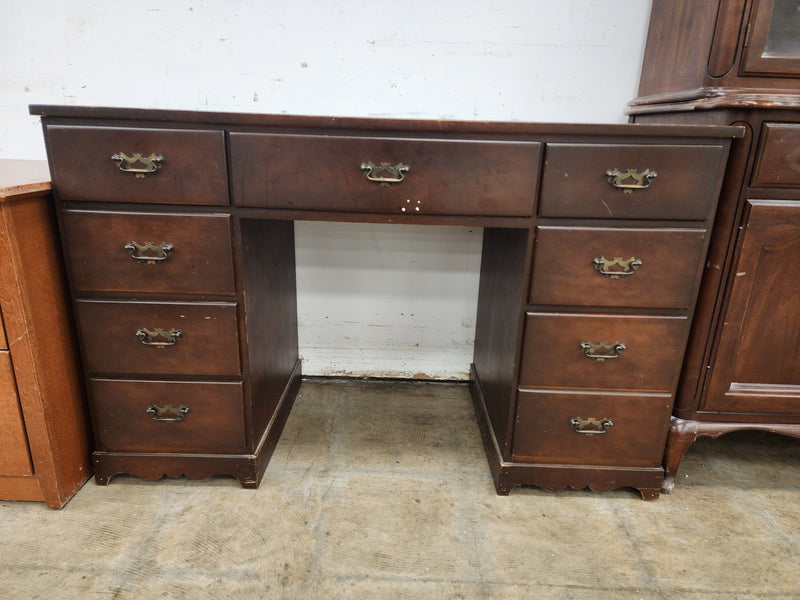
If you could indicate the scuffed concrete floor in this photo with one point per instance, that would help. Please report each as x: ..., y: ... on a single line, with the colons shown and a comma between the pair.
x: 383, y: 491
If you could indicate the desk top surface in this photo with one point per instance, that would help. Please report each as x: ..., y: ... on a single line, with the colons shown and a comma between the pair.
x: 367, y: 124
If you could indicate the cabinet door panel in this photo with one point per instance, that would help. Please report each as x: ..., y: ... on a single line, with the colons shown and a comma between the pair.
x: 14, y: 457
x: 774, y: 46
x: 757, y: 366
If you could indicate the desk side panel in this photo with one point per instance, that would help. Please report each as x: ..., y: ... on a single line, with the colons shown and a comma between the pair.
x: 500, y: 300
x: 267, y: 253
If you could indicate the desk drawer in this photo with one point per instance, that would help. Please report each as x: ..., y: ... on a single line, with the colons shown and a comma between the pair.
x: 552, y: 355
x: 575, y: 181
x: 123, y: 337
x: 778, y: 160
x: 565, y: 428
x: 108, y: 252
x: 656, y: 268
x: 445, y: 177
x: 213, y: 423
x: 192, y: 171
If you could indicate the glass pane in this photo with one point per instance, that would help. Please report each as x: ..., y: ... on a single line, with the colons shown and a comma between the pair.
x: 783, y: 37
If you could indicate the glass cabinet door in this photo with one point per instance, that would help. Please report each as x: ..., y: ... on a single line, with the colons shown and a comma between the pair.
x: 772, y: 46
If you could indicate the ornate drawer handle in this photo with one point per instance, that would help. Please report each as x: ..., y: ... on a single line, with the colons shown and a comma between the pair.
x: 151, y: 337
x: 591, y: 425
x: 602, y: 265
x: 141, y: 252
x: 607, y: 350
x: 641, y: 180
x: 397, y: 173
x: 158, y: 413
x: 126, y: 163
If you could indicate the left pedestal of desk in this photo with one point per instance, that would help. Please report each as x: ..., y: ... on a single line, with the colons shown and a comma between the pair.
x: 44, y: 429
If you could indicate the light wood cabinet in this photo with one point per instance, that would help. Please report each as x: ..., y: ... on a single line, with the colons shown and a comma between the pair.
x: 44, y: 439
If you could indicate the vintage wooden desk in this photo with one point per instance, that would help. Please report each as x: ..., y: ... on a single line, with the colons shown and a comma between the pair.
x: 178, y: 233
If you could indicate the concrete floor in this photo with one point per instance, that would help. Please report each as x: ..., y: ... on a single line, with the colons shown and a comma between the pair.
x: 380, y: 491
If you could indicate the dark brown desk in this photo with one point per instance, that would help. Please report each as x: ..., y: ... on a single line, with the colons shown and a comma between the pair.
x: 178, y: 234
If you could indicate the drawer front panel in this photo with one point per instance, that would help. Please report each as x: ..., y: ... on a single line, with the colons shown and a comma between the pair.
x: 214, y: 422
x: 552, y: 355
x: 778, y: 160
x: 549, y: 427
x: 575, y: 182
x: 444, y: 177
x: 108, y: 252
x: 657, y: 268
x: 193, y: 169
x: 123, y: 338
x: 14, y: 456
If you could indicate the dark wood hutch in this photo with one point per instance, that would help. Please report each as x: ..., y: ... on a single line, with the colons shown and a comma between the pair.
x: 726, y: 62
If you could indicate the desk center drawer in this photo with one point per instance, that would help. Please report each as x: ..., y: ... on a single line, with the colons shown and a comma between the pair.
x: 164, y: 338
x: 384, y: 175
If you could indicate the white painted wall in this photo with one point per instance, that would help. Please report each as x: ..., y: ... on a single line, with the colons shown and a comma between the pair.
x: 373, y: 299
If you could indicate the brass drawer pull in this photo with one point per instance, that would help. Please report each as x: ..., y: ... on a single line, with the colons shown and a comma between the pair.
x: 601, y: 351
x: 641, y: 180
x: 373, y: 172
x: 143, y: 252
x: 591, y: 425
x: 151, y: 337
x: 628, y: 267
x: 126, y: 163
x: 159, y: 413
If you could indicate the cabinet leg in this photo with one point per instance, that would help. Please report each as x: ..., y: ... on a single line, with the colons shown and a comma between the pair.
x: 682, y: 434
